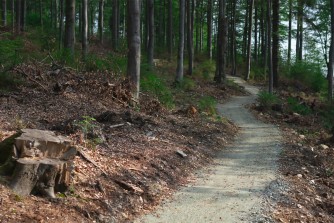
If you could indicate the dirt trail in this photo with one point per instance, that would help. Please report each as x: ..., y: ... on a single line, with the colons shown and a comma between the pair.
x: 234, y: 188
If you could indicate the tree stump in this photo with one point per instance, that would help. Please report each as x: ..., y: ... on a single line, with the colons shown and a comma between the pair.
x: 44, y: 162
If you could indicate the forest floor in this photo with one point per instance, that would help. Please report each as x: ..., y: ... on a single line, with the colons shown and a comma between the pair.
x: 138, y: 152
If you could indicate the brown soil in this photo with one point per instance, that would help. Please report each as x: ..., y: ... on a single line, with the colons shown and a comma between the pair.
x: 306, y: 163
x: 138, y: 160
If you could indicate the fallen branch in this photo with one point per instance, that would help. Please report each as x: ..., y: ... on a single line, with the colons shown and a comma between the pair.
x: 85, y: 157
x: 31, y: 79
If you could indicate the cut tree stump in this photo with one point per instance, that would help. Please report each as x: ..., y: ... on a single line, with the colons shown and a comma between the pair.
x: 44, y: 162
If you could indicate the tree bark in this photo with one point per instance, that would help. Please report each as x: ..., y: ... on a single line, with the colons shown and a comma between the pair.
x: 221, y: 43
x: 69, y: 37
x: 269, y: 47
x: 4, y: 12
x: 84, y: 28
x: 134, y: 53
x: 150, y: 45
x: 331, y: 56
x: 299, y: 38
x: 179, y: 70
x: 249, y: 42
x: 18, y: 16
x: 275, y: 47
x: 101, y: 19
x: 170, y: 29
x: 61, y: 23
x: 23, y: 15
x: 234, y: 42
x: 115, y: 24
x: 289, y: 32
x: 190, y: 33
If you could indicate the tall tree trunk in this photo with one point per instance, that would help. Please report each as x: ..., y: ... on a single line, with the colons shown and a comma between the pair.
x: 299, y: 41
x: 69, y: 37
x: 190, y: 24
x: 61, y: 23
x: 249, y: 42
x: 275, y: 47
x: 41, y: 13
x: 115, y: 24
x: 234, y: 42
x: 256, y: 32
x: 221, y: 43
x: 179, y: 70
x: 331, y: 56
x: 23, y: 15
x: 289, y: 32
x: 170, y: 29
x: 13, y: 15
x: 244, y: 37
x: 209, y: 25
x: 84, y: 28
x: 18, y: 16
x: 269, y: 47
x: 150, y: 45
x: 4, y: 12
x: 100, y: 25
x: 133, y: 30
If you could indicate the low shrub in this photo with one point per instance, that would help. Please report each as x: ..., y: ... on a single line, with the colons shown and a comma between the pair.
x: 156, y: 86
x: 208, y: 104
x: 267, y: 100
x: 297, y: 107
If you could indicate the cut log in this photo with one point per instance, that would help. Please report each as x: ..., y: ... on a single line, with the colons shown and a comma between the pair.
x: 44, y: 162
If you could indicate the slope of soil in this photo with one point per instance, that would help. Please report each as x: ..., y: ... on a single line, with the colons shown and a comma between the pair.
x: 235, y: 188
x: 136, y: 153
x: 306, y: 161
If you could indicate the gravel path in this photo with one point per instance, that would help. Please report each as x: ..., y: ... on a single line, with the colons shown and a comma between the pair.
x: 236, y: 187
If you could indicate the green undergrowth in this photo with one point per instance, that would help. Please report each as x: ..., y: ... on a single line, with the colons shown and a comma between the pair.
x: 155, y: 85
x: 309, y: 74
x: 208, y: 105
x: 267, y: 100
x: 295, y: 106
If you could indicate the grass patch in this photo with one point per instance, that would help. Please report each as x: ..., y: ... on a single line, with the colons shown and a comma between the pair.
x: 208, y: 105
x: 156, y: 86
x: 267, y: 100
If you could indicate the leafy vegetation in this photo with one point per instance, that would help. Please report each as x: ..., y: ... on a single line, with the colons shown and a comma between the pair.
x: 296, y: 106
x: 156, y: 86
x: 208, y: 105
x: 267, y: 100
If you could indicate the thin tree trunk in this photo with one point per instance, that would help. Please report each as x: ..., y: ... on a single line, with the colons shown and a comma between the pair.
x: 290, y: 32
x: 190, y: 33
x: 244, y: 38
x: 69, y: 37
x: 61, y: 23
x: 13, y: 15
x: 18, y: 16
x: 270, y: 60
x: 249, y: 42
x: 179, y: 70
x: 100, y: 25
x: 23, y: 15
x: 275, y: 47
x: 115, y: 24
x: 134, y: 53
x: 331, y: 56
x: 84, y: 28
x: 150, y: 45
x: 41, y: 13
x: 234, y: 43
x: 170, y: 29
x: 4, y: 12
x: 299, y: 42
x: 221, y: 43
x: 256, y: 33
x: 209, y: 20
